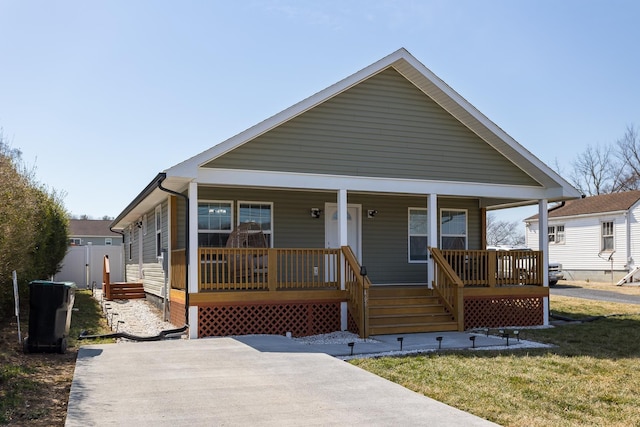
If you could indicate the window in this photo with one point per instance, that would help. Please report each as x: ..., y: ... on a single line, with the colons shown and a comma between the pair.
x: 108, y: 241
x: 75, y: 241
x: 453, y: 229
x: 418, y: 227
x: 158, y: 230
x: 607, y: 236
x: 260, y: 213
x: 214, y: 223
x: 556, y: 233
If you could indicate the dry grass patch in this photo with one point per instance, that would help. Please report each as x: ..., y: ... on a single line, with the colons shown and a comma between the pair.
x: 590, y: 378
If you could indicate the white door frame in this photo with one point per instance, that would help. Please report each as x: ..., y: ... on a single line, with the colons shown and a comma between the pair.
x: 356, y: 222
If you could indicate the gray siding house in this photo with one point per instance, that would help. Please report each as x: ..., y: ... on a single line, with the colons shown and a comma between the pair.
x: 369, y: 200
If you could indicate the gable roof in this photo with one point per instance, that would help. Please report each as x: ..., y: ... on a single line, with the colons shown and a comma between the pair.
x: 551, y: 185
x: 603, y: 203
x: 426, y: 81
x: 90, y: 227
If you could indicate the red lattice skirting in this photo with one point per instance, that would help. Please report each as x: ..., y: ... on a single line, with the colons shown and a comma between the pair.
x: 301, y: 319
x: 495, y: 312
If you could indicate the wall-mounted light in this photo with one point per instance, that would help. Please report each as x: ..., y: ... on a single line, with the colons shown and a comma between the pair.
x: 372, y: 213
x: 315, y: 212
x: 139, y: 224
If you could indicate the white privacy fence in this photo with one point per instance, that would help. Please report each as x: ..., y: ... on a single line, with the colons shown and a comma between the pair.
x: 83, y: 265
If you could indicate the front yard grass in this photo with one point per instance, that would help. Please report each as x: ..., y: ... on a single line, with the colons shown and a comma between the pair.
x: 591, y: 377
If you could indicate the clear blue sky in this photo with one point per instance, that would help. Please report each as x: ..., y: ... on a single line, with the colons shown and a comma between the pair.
x: 101, y: 96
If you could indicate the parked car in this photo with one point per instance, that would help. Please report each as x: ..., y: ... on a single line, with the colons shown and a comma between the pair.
x: 555, y: 268
x: 555, y: 273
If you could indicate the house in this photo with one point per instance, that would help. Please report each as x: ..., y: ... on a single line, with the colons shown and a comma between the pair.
x: 370, y: 200
x: 89, y: 241
x: 594, y: 238
x: 92, y: 232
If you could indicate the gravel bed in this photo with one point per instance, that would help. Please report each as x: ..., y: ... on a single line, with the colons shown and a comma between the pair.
x: 135, y: 316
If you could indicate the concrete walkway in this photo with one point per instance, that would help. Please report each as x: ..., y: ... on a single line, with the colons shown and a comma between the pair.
x: 253, y: 380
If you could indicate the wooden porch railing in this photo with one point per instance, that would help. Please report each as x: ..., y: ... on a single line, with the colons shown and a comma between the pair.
x: 244, y: 269
x: 357, y: 286
x: 496, y: 268
x: 448, y: 286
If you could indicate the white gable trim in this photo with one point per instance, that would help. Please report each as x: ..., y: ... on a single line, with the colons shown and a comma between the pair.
x: 425, y: 80
x: 252, y: 178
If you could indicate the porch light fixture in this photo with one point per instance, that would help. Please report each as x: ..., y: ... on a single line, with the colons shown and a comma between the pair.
x: 372, y: 213
x: 400, y: 339
x: 315, y: 212
x: 439, y: 339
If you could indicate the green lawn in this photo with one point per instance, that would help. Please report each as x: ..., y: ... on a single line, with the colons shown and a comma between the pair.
x: 591, y: 377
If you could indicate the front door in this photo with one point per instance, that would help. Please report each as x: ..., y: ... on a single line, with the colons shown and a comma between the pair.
x: 331, y: 228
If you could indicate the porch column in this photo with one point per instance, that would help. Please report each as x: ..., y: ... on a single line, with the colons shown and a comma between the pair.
x: 343, y: 237
x: 432, y: 235
x: 194, y: 257
x: 543, y: 245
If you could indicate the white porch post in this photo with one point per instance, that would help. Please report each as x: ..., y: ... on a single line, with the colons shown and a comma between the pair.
x: 343, y: 237
x: 432, y: 235
x: 543, y: 245
x: 194, y: 257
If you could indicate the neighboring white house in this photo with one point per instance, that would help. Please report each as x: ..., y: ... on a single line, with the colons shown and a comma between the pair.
x: 595, y: 238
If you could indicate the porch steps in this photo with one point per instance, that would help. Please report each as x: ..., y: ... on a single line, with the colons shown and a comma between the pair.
x: 406, y: 309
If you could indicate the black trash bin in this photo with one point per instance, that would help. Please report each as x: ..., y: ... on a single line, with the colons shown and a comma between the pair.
x: 50, y: 307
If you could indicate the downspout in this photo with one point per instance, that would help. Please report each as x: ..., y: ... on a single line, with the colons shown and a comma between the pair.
x: 186, y: 250
x: 123, y: 252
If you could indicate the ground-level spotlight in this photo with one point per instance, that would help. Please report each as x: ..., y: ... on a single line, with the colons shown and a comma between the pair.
x: 439, y: 339
x: 400, y: 339
x: 517, y: 334
x: 351, y: 344
x: 473, y: 341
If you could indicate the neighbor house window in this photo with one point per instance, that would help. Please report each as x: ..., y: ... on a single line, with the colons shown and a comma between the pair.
x: 158, y: 230
x: 453, y: 229
x: 556, y: 233
x: 74, y: 241
x: 214, y: 223
x: 418, y: 227
x: 260, y: 213
x: 607, y: 236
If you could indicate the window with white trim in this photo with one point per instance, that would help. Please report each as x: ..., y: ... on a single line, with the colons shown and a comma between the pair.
x: 607, y: 237
x: 556, y: 233
x: 108, y: 241
x: 418, y: 228
x: 75, y: 241
x: 215, y: 223
x: 453, y: 229
x: 260, y: 213
x: 159, y: 230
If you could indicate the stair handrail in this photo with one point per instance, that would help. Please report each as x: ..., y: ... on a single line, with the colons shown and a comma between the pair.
x: 448, y: 286
x: 357, y: 285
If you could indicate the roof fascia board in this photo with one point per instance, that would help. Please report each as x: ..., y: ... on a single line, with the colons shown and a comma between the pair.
x: 312, y: 182
x: 580, y: 216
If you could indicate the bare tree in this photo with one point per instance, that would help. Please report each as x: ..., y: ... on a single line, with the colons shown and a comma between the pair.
x: 501, y: 232
x: 596, y: 171
x: 629, y: 154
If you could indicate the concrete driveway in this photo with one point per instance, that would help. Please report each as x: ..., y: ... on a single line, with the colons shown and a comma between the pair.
x: 222, y: 381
